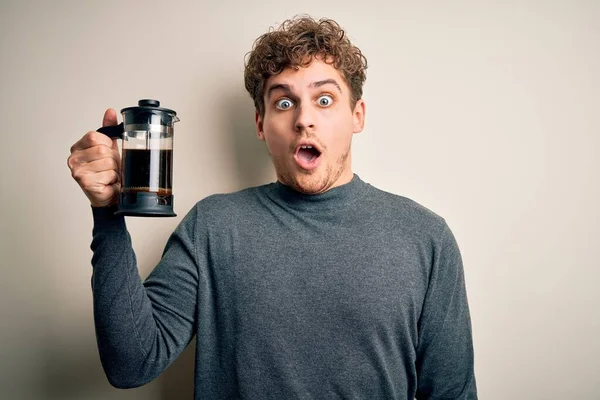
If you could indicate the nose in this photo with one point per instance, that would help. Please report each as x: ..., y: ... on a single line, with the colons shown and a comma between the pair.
x: 305, y: 119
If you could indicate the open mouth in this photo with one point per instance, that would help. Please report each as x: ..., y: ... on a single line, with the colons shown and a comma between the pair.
x: 308, y: 153
x: 307, y: 156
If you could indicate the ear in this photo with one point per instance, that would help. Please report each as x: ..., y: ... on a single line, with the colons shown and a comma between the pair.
x: 358, y: 116
x: 259, y: 125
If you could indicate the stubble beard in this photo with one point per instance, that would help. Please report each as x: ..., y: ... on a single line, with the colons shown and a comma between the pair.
x: 309, y: 182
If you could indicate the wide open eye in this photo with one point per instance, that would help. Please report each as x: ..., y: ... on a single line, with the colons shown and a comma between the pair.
x: 325, y: 100
x: 284, y: 104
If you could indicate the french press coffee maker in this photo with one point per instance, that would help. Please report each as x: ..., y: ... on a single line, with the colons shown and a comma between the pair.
x: 147, y: 159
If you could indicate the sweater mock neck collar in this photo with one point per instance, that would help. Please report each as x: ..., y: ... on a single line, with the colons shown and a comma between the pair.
x: 338, y: 196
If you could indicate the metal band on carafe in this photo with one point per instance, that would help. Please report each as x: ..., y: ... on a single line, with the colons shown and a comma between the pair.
x: 149, y: 127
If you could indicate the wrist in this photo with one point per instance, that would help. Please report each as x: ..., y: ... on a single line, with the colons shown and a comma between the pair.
x: 103, y: 214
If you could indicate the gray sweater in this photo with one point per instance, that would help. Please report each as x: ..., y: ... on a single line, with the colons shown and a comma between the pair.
x: 351, y: 294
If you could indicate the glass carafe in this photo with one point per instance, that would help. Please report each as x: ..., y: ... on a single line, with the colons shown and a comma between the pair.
x: 147, y: 159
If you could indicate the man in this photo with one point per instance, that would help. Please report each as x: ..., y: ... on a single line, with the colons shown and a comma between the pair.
x: 317, y: 286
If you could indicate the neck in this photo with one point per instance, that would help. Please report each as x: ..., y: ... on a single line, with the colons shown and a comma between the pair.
x: 334, y: 198
x: 344, y: 178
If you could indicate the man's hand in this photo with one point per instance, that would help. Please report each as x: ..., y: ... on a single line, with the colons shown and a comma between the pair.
x: 95, y: 164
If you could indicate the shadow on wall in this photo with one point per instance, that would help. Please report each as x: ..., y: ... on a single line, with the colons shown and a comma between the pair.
x: 253, y: 164
x: 177, y: 382
x: 72, y: 368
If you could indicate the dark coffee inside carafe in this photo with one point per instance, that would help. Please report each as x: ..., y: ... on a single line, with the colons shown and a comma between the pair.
x: 147, y: 171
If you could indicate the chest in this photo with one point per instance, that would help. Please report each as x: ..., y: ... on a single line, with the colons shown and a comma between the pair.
x: 339, y: 277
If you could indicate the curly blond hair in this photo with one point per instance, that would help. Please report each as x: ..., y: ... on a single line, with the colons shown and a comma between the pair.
x: 294, y: 44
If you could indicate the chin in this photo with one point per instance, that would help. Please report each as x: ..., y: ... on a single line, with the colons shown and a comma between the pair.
x: 309, y: 188
x: 311, y: 183
x: 316, y: 181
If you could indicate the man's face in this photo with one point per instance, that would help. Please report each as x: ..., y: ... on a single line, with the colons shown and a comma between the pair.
x: 308, y: 126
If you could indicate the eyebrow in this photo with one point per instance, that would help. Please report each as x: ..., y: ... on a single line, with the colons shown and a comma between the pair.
x: 287, y: 88
x: 325, y: 82
x: 278, y: 86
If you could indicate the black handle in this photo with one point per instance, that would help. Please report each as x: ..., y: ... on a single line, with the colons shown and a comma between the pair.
x: 115, y: 131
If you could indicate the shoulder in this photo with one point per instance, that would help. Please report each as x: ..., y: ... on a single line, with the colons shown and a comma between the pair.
x: 230, y: 206
x: 400, y: 212
x: 402, y: 206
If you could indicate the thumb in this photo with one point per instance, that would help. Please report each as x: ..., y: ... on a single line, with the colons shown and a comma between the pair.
x: 110, y: 117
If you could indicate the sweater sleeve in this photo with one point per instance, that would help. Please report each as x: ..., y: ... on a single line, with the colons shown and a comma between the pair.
x: 445, y: 358
x: 141, y: 327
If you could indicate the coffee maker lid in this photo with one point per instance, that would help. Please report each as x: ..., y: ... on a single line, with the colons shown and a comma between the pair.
x: 149, y: 105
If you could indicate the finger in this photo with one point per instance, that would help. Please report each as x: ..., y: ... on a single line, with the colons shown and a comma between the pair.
x: 91, y: 139
x: 105, y: 197
x: 117, y: 155
x: 107, y: 177
x: 100, y: 165
x: 110, y: 117
x: 92, y: 154
x: 95, y: 183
